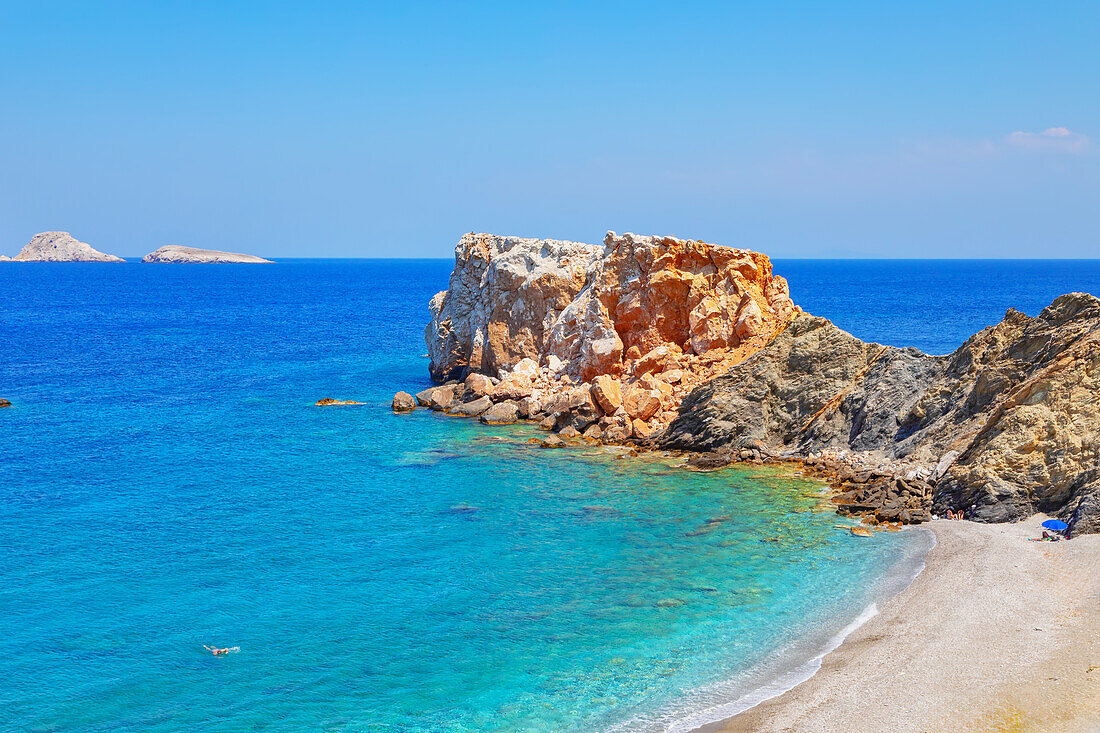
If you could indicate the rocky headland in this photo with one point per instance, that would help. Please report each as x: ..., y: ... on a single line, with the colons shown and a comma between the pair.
x: 605, y: 339
x: 1006, y: 426
x: 178, y: 254
x: 60, y: 247
x: 683, y: 345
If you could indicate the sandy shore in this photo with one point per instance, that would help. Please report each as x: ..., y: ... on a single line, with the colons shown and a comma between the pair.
x: 997, y: 634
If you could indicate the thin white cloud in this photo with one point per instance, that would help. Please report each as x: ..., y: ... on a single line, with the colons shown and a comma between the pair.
x: 1053, y: 139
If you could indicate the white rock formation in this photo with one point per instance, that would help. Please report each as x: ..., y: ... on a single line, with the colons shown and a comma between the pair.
x: 175, y: 253
x: 61, y: 247
x: 504, y: 297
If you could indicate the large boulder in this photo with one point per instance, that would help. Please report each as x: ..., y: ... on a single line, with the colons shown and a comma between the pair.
x: 403, y: 402
x: 528, y: 407
x: 471, y: 409
x: 525, y: 369
x: 640, y: 403
x: 655, y: 360
x: 442, y: 397
x: 503, y: 413
x: 512, y: 388
x: 552, y: 441
x: 607, y: 392
x: 479, y: 384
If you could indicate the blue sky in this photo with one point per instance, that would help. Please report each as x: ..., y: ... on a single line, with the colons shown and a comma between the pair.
x: 810, y: 129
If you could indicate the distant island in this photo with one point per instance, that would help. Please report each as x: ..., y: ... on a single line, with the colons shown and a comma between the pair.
x: 178, y: 254
x: 63, y: 247
x: 59, y: 247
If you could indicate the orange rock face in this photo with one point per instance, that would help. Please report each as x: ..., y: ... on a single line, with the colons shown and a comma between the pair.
x: 663, y: 291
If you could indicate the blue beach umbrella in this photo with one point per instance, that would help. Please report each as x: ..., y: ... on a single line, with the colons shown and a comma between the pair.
x: 1056, y: 524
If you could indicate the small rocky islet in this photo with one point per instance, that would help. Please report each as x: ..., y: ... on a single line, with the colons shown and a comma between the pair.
x: 178, y: 254
x: 682, y: 345
x: 59, y: 247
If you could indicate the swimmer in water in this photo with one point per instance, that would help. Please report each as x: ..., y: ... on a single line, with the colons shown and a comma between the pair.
x: 215, y: 651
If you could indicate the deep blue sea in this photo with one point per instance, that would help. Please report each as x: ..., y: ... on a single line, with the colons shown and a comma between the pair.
x: 166, y: 482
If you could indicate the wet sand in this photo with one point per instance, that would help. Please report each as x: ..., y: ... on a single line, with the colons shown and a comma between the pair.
x: 997, y: 634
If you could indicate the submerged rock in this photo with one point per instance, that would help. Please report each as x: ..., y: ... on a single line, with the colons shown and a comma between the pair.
x: 177, y: 254
x: 61, y: 247
x: 326, y: 401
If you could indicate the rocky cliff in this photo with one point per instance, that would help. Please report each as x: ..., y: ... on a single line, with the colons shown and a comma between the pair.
x: 1007, y: 425
x: 61, y: 247
x: 636, y: 321
x: 178, y: 254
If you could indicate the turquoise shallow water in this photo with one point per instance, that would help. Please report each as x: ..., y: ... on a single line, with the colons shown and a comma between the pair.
x: 168, y: 484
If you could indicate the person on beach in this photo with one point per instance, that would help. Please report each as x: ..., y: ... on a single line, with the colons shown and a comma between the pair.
x: 215, y: 651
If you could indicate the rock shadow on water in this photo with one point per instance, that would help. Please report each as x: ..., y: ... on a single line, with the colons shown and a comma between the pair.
x: 464, y: 510
x: 709, y: 526
x: 594, y: 512
x: 426, y: 458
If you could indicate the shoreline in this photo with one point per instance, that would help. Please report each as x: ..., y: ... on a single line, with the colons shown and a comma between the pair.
x: 996, y: 633
x: 803, y: 668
